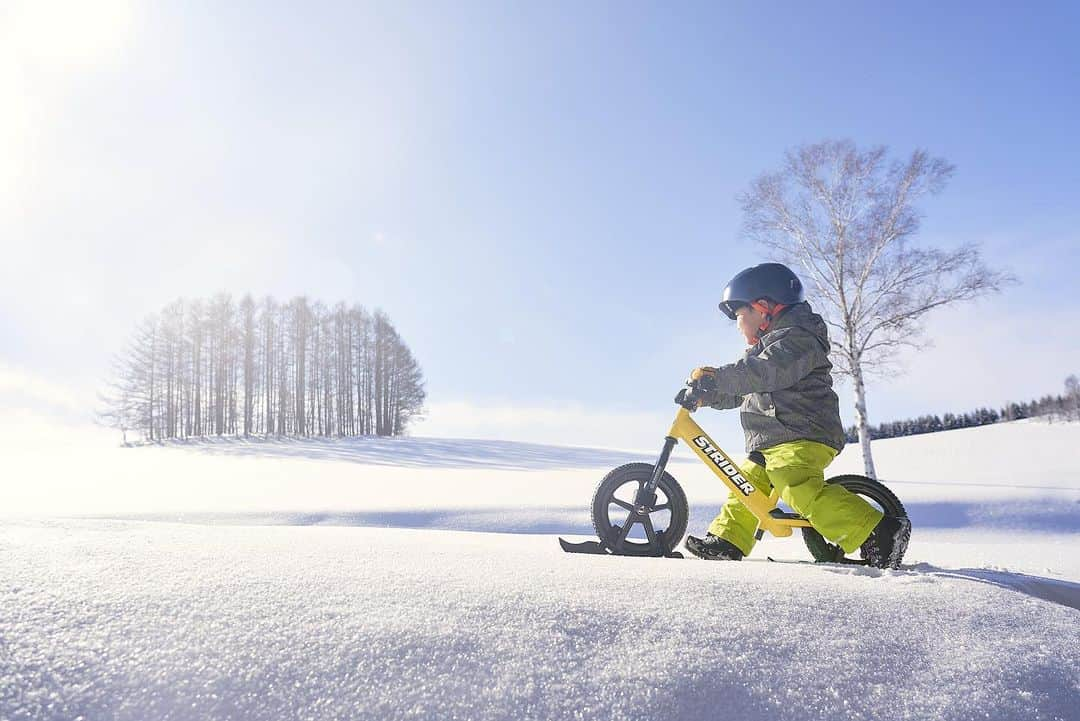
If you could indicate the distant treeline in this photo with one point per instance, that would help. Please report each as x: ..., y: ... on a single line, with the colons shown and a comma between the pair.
x: 1060, y: 407
x: 216, y: 367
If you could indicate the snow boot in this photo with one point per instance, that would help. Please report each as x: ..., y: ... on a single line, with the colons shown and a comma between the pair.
x: 887, y: 542
x: 713, y: 548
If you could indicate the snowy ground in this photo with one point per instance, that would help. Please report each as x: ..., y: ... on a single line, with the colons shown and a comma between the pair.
x: 420, y: 578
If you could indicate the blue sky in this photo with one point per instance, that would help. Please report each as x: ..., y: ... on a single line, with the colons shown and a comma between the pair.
x: 541, y: 195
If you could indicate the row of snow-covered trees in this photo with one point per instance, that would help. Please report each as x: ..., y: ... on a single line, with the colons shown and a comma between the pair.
x: 217, y: 367
x: 1059, y: 407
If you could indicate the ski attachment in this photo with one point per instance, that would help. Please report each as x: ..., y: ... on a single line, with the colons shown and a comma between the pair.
x: 599, y: 549
x: 584, y: 547
x: 839, y: 561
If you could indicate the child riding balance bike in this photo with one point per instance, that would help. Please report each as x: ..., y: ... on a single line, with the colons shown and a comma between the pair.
x: 791, y: 418
x: 790, y: 414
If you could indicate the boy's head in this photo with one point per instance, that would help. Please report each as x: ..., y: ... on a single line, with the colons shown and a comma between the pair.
x: 752, y: 320
x: 754, y: 295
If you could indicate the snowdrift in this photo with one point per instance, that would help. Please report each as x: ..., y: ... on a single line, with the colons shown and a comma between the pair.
x: 233, y: 580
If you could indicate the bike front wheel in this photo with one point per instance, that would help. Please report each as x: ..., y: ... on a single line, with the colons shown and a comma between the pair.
x: 620, y: 526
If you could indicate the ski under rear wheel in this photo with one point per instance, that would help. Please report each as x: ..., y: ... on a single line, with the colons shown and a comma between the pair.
x: 875, y: 492
x: 625, y: 530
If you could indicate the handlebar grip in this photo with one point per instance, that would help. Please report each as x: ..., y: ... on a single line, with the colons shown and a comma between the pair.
x: 688, y: 399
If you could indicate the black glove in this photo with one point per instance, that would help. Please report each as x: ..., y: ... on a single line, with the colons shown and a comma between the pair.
x: 699, y: 387
x: 703, y: 379
x: 689, y: 398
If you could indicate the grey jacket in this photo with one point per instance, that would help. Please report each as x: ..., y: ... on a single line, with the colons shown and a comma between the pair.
x: 783, y: 384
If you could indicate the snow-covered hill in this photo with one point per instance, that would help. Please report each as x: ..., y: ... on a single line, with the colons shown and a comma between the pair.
x: 420, y: 578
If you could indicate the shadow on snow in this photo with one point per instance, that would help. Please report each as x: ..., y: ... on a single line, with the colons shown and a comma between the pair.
x: 415, y: 452
x: 1016, y: 515
x: 1054, y: 590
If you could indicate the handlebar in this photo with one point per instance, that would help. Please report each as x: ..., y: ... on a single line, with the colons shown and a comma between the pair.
x: 689, y: 397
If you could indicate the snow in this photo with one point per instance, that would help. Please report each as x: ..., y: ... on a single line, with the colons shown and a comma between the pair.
x: 420, y: 578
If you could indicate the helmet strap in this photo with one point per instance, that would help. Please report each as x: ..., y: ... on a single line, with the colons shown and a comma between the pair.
x: 763, y: 308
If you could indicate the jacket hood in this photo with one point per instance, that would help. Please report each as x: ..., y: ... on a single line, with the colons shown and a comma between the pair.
x: 802, y: 316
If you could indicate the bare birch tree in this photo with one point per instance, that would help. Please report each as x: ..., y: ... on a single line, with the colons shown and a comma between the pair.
x: 1072, y: 398
x: 844, y: 216
x: 129, y: 402
x: 247, y: 313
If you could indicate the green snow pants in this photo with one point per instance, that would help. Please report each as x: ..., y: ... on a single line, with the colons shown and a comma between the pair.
x: 797, y: 469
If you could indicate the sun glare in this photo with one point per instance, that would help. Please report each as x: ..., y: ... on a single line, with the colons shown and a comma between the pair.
x: 70, y: 32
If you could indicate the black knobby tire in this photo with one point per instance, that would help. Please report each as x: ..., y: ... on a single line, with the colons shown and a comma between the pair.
x: 667, y: 522
x: 874, y: 491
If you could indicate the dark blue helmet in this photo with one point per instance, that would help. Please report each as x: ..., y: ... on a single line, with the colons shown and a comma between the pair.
x: 773, y: 281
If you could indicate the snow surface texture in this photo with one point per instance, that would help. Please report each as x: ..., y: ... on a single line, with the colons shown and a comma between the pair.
x: 274, y: 599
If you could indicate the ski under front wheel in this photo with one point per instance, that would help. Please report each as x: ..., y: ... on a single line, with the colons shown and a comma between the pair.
x: 630, y: 531
x: 869, y: 489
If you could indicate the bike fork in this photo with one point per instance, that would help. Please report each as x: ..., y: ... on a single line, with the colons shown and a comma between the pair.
x: 646, y: 495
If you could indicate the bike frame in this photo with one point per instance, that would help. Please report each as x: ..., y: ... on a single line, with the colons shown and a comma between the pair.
x: 763, y: 506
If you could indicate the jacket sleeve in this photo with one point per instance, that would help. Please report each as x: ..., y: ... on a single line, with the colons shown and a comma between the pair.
x: 723, y: 401
x: 781, y: 364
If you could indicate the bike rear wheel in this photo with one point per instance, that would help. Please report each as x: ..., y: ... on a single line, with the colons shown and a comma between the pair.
x: 874, y: 491
x: 620, y: 526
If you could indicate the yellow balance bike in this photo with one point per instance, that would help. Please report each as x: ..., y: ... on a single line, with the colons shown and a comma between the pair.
x: 639, y: 509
